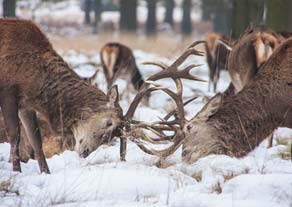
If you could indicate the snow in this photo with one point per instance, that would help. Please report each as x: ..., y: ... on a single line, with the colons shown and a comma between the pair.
x: 262, y: 178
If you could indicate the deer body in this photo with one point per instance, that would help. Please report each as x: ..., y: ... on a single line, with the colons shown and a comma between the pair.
x: 217, y: 57
x: 253, y: 49
x: 244, y: 120
x: 34, y: 78
x: 118, y: 61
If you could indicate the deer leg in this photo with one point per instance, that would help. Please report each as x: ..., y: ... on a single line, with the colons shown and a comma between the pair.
x: 9, y: 106
x: 30, y: 124
x: 123, y: 149
x: 270, y: 139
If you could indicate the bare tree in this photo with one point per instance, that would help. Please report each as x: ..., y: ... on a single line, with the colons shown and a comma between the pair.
x: 9, y: 8
x: 97, y: 15
x: 128, y: 19
x: 87, y: 7
x: 186, y: 25
x: 169, y: 7
x: 151, y: 17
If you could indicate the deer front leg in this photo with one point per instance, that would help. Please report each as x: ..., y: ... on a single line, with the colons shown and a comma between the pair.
x: 123, y: 149
x: 270, y: 139
x: 32, y: 130
x: 9, y: 106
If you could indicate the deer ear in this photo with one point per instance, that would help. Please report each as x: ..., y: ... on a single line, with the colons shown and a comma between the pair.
x: 113, y: 96
x: 212, y: 106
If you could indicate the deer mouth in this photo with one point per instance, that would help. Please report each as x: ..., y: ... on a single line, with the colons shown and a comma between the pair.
x: 85, y: 153
x: 106, y: 138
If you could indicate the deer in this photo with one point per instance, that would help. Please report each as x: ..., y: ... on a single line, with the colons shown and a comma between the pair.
x: 51, y: 144
x: 217, y: 56
x: 249, y: 52
x: 118, y: 61
x: 235, y: 125
x: 35, y: 79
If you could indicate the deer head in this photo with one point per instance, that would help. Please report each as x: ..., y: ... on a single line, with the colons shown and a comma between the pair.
x: 98, y: 129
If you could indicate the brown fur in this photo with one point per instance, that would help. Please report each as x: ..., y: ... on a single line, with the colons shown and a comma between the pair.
x: 244, y: 120
x: 51, y: 145
x: 34, y: 78
x: 217, y: 56
x: 123, y: 64
x: 252, y: 49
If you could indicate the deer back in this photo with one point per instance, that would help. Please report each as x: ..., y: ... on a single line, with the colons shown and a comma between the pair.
x: 118, y: 61
x: 252, y: 49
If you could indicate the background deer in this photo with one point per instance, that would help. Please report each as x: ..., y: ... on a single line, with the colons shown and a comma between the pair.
x: 118, y: 61
x: 217, y: 56
x: 249, y: 52
x: 34, y: 78
x: 244, y: 120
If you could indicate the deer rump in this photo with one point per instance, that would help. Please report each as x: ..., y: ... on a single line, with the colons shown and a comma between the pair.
x: 249, y: 53
x: 217, y: 56
x: 118, y: 61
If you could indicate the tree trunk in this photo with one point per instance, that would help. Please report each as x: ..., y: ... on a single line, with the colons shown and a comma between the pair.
x: 169, y: 7
x: 9, y: 8
x: 128, y: 17
x: 151, y: 17
x: 186, y: 25
x: 97, y: 15
x: 87, y: 7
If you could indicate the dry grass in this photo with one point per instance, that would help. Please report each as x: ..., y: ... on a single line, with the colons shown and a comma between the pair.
x: 164, y: 45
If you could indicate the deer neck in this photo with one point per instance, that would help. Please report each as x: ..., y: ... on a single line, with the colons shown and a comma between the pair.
x: 245, y: 120
x: 65, y: 99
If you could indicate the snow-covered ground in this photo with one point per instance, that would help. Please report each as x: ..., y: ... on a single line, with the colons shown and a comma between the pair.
x: 262, y: 178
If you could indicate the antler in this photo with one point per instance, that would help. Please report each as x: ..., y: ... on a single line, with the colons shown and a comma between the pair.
x: 167, y: 72
x: 159, y: 127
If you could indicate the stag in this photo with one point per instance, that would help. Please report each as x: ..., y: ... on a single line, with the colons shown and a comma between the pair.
x: 118, y: 61
x: 217, y: 56
x: 249, y: 53
x: 51, y: 144
x: 34, y: 78
x: 236, y: 125
x: 132, y: 128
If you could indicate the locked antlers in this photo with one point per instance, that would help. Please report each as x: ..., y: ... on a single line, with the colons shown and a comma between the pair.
x: 133, y: 129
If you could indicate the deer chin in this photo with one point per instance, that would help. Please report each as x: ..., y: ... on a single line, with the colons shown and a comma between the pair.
x: 89, y: 143
x: 92, y: 133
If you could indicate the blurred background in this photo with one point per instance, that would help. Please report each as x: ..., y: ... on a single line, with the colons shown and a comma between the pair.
x: 160, y: 26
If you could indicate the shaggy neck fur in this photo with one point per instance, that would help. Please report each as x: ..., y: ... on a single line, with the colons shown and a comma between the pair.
x: 265, y: 104
x: 65, y: 97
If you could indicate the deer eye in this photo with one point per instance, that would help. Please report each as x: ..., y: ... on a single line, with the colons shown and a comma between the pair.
x: 109, y: 123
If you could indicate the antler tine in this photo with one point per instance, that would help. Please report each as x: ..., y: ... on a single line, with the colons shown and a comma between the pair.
x: 194, y: 44
x: 167, y: 72
x: 162, y: 153
x: 177, y: 97
x: 190, y: 51
x: 144, y: 90
x: 173, y: 111
x: 174, y: 73
x: 159, y: 64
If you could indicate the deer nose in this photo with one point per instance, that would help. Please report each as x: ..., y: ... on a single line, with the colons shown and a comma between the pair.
x: 189, y: 127
x: 85, y: 153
